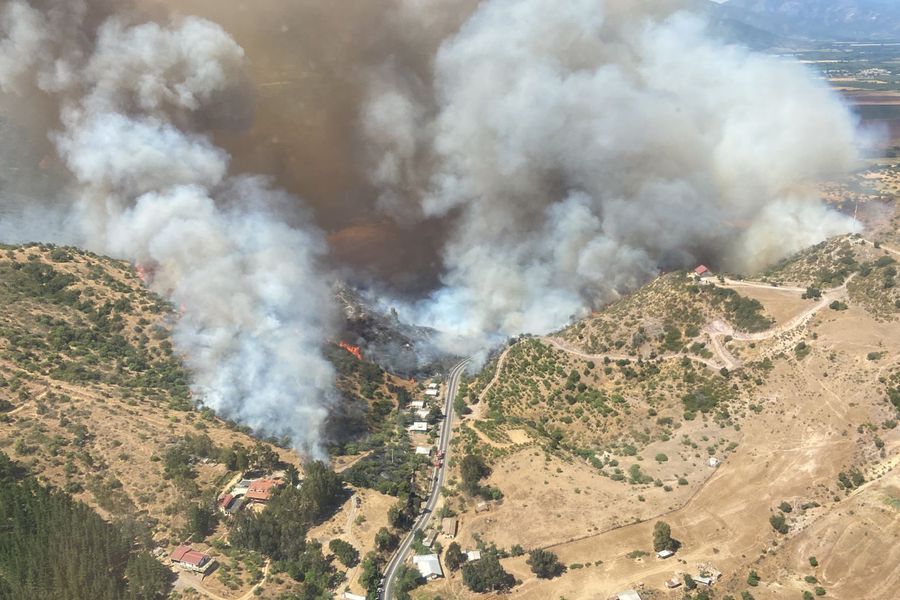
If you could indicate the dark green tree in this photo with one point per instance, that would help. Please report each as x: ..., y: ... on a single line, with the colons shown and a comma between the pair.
x: 487, y: 575
x: 371, y: 573
x: 201, y: 521
x: 544, y: 564
x: 345, y: 552
x: 385, y: 540
x: 472, y: 470
x: 453, y: 557
x: 148, y: 579
x: 662, y: 537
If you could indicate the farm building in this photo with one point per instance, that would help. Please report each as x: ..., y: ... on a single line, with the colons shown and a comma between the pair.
x: 241, y: 487
x: 429, y: 566
x: 628, y: 595
x: 261, y: 490
x: 473, y: 555
x: 673, y: 583
x: 230, y: 504
x: 704, y: 579
x: 703, y: 272
x: 449, y: 526
x: 430, y: 538
x: 418, y: 426
x: 192, y: 560
x: 664, y: 554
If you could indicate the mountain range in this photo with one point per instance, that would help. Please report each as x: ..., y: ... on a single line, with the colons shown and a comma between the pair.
x: 823, y: 20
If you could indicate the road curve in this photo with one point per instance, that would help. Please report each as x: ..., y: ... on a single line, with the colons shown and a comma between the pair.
x: 437, y: 480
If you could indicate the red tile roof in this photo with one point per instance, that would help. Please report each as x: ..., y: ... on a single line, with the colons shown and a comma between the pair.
x: 262, y: 489
x: 189, y: 556
x: 701, y: 270
x: 226, y: 500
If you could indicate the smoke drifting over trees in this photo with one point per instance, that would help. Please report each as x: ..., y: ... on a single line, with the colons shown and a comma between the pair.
x: 527, y: 159
x: 255, y: 307
x: 581, y: 146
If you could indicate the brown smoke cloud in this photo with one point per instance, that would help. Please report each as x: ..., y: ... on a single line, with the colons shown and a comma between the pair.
x: 490, y: 167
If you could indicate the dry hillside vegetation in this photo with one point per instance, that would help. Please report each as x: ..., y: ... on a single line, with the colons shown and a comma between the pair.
x: 664, y: 316
x: 95, y: 402
x: 586, y: 446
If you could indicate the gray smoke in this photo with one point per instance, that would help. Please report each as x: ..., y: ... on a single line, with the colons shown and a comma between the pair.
x: 575, y: 148
x: 256, y: 308
x: 535, y: 158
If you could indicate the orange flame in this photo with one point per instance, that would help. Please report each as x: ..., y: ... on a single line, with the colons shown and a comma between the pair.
x: 354, y: 350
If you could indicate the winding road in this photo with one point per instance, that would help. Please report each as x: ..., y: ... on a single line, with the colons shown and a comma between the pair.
x: 437, y: 481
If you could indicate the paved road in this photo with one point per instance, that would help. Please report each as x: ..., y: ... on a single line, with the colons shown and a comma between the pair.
x: 437, y: 480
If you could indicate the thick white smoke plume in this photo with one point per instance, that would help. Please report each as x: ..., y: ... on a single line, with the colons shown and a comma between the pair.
x: 579, y: 147
x: 255, y: 308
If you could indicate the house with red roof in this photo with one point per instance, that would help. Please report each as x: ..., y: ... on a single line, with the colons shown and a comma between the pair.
x: 261, y: 490
x: 703, y: 272
x: 192, y: 560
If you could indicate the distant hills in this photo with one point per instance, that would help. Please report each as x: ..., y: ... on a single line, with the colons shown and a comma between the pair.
x: 824, y: 20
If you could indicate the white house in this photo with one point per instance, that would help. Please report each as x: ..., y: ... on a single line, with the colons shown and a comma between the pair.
x: 432, y: 386
x: 432, y: 392
x: 473, y: 555
x: 664, y: 554
x: 352, y: 596
x: 429, y: 566
x: 628, y: 595
x: 417, y: 404
x: 418, y: 426
x: 423, y: 450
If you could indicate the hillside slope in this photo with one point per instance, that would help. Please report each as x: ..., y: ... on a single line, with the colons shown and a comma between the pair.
x: 95, y: 401
x: 593, y: 435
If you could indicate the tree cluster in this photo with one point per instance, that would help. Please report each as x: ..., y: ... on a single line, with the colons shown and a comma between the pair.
x: 545, y: 564
x: 279, y: 532
x: 487, y: 575
x: 55, y: 547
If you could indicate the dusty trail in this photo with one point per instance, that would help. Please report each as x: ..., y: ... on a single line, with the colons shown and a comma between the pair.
x: 570, y: 349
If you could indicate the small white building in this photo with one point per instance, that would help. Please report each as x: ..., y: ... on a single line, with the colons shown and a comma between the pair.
x: 423, y: 450
x: 421, y: 426
x: 434, y: 392
x: 704, y: 579
x: 628, y: 595
x: 664, y: 554
x: 713, y: 462
x: 422, y: 414
x: 432, y: 386
x: 429, y: 566
x: 352, y: 596
x: 473, y: 555
x: 417, y: 404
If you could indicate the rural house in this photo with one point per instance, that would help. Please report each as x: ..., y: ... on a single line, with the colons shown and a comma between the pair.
x: 192, y: 560
x: 703, y: 272
x: 261, y: 490
x: 449, y: 526
x: 429, y: 566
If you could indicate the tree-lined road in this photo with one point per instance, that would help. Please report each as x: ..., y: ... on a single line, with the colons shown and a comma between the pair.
x: 437, y: 481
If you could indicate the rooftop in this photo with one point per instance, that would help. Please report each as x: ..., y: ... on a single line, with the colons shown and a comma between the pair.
x: 262, y: 489
x: 429, y: 565
x: 188, y: 556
